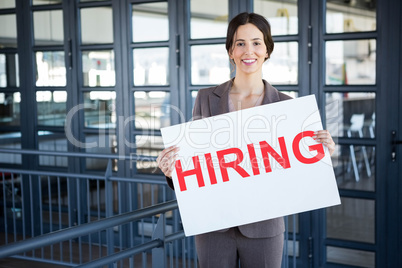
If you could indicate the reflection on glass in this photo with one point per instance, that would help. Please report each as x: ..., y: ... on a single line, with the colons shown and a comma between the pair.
x: 148, y: 148
x: 51, y: 107
x: 354, y: 167
x: 98, y: 68
x: 282, y: 67
x: 9, y: 73
x: 8, y: 31
x: 353, y: 220
x: 10, y: 109
x: 50, y: 69
x: 96, y: 25
x: 350, y: 16
x: 209, y: 19
x: 155, y: 17
x: 50, y: 141
x: 351, y: 114
x: 209, y: 65
x: 101, y: 143
x: 7, y: 4
x: 100, y: 109
x: 46, y: 2
x: 151, y: 66
x: 281, y: 15
x: 48, y: 27
x: 350, y: 62
x: 10, y: 140
x: 353, y: 257
x: 152, y: 109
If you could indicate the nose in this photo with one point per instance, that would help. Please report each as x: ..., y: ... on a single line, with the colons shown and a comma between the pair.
x: 249, y: 50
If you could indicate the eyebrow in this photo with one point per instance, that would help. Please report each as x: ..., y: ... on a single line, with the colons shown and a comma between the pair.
x: 254, y: 39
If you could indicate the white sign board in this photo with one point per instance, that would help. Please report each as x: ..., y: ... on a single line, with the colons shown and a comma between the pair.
x: 251, y: 165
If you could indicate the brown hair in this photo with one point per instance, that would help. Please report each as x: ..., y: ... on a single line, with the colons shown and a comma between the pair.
x: 257, y: 20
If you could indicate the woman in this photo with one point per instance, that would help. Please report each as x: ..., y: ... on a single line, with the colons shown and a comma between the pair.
x: 249, y: 44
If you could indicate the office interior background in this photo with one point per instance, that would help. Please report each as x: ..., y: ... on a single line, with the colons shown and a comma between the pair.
x: 85, y: 87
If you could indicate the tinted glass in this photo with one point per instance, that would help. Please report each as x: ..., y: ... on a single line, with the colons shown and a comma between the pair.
x: 48, y: 27
x: 282, y: 15
x: 56, y: 142
x: 98, y: 68
x: 351, y: 16
x: 10, y: 109
x: 209, y: 18
x: 100, y: 109
x: 282, y: 67
x: 151, y: 66
x: 96, y: 25
x: 8, y: 31
x: 152, y: 109
x: 351, y: 114
x: 350, y: 62
x: 10, y: 140
x: 9, y: 70
x: 148, y: 147
x: 155, y: 17
x: 101, y: 143
x: 209, y: 65
x: 51, y: 107
x: 50, y: 69
x: 352, y: 257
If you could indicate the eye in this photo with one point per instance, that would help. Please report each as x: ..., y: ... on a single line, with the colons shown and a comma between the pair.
x: 239, y: 44
x: 257, y: 43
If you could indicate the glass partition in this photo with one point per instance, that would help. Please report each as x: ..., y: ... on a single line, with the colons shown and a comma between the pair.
x: 155, y: 17
x: 209, y: 18
x: 152, y: 109
x: 350, y: 16
x: 210, y: 65
x: 100, y: 109
x: 51, y: 107
x: 50, y: 69
x: 98, y: 68
x: 96, y: 25
x: 8, y: 31
x: 10, y: 109
x: 48, y: 27
x: 151, y: 66
x: 282, y: 15
x: 350, y: 62
x: 7, y: 4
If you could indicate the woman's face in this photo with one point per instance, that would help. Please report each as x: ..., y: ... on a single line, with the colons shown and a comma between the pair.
x: 249, y: 50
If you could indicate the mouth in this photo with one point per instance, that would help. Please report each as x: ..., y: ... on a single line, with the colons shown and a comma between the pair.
x: 249, y: 61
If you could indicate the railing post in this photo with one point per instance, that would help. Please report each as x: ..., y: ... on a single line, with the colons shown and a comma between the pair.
x: 159, y: 254
x: 109, y: 209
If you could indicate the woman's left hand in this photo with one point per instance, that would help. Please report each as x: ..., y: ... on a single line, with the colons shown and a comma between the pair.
x: 325, y: 138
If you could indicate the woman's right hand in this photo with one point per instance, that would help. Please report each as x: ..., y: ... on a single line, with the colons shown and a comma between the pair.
x: 166, y: 160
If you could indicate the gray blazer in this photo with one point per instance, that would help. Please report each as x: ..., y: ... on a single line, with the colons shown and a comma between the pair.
x: 214, y: 101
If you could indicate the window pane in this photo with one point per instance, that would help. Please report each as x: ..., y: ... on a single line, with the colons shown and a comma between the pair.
x: 98, y: 68
x: 354, y: 167
x: 100, y: 109
x: 48, y: 27
x: 56, y: 142
x: 152, y: 109
x: 102, y: 143
x: 46, y: 2
x: 351, y: 62
x: 50, y: 69
x: 94, y: 20
x: 9, y: 70
x: 209, y: 18
x: 350, y: 16
x: 155, y: 17
x: 282, y: 16
x: 51, y: 107
x: 7, y: 4
x: 351, y: 257
x: 10, y: 140
x: 151, y: 66
x: 8, y: 31
x: 148, y: 147
x: 353, y: 220
x: 209, y: 65
x: 10, y: 109
x: 351, y: 114
x: 282, y: 67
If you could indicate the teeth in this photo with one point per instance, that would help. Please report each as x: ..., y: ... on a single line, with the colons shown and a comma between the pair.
x: 248, y: 61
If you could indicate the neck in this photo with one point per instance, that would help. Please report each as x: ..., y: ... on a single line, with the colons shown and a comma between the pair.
x: 247, y: 85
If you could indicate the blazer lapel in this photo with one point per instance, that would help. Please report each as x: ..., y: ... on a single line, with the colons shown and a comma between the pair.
x: 219, y: 100
x: 271, y: 94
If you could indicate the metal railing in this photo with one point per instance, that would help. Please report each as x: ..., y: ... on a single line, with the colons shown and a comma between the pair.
x: 79, y: 212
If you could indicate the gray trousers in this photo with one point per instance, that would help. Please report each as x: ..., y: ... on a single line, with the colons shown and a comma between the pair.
x: 225, y: 249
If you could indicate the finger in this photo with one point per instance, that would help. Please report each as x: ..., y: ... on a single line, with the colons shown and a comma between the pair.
x: 166, y: 152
